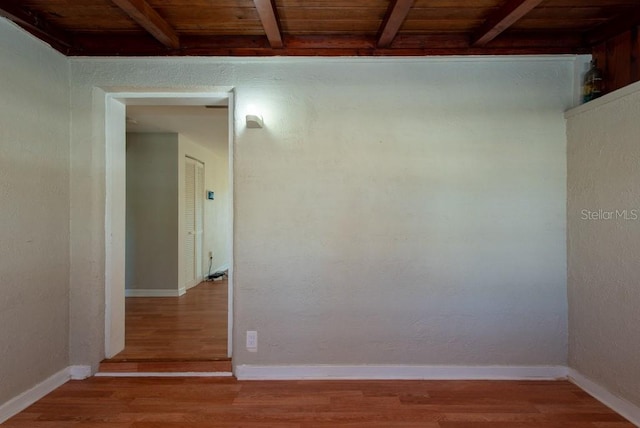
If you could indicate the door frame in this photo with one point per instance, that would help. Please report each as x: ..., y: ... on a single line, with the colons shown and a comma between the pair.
x: 115, y: 201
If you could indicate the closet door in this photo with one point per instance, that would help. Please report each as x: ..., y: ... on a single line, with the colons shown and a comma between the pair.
x: 193, y: 214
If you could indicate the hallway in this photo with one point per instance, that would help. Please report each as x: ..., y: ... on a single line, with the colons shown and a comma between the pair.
x: 192, y: 327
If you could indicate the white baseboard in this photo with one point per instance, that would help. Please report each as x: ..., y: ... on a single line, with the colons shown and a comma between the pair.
x: 79, y: 372
x: 141, y: 292
x: 164, y: 374
x: 27, y: 398
x: 190, y: 286
x: 366, y: 372
x: 600, y: 393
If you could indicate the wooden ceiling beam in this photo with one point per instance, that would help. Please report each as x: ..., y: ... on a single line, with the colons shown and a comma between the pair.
x: 141, y: 12
x: 393, y: 20
x: 503, y: 18
x: 613, y: 28
x: 330, y: 45
x: 269, y: 17
x: 36, y: 25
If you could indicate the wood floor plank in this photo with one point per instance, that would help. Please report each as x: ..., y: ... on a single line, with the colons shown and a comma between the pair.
x: 165, y: 366
x: 191, y: 327
x: 226, y: 402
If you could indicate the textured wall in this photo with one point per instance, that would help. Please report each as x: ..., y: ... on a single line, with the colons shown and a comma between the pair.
x: 152, y: 211
x: 34, y: 211
x: 604, y: 241
x: 391, y: 211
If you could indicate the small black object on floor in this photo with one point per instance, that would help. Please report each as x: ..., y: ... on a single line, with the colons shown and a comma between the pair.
x: 217, y: 276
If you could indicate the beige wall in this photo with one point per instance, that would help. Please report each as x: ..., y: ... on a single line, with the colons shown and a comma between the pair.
x: 34, y: 211
x: 604, y: 241
x: 406, y: 211
x: 428, y: 228
x: 152, y: 211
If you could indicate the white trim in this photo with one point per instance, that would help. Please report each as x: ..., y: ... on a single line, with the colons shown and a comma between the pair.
x: 114, y: 222
x: 418, y: 372
x: 164, y: 374
x: 146, y: 97
x: 230, y: 275
x: 325, y: 60
x: 114, y: 320
x: 602, y: 394
x: 27, y: 398
x: 141, y: 292
x: 79, y: 372
x: 191, y: 285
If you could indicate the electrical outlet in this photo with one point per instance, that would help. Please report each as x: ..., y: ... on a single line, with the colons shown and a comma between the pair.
x: 210, y: 254
x: 252, y: 340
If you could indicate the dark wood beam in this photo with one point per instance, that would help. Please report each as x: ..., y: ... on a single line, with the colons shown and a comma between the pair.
x: 612, y: 28
x: 503, y: 18
x: 141, y: 12
x: 36, y: 25
x: 396, y: 14
x: 269, y: 17
x: 521, y: 41
x: 635, y: 54
x: 330, y: 45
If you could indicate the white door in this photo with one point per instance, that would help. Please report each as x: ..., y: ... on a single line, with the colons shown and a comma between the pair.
x: 193, y: 213
x: 199, y: 231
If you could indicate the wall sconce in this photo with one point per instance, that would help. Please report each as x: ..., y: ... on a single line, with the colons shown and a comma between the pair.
x: 254, y: 121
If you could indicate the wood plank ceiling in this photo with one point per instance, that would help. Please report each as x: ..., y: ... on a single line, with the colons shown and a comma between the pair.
x: 322, y: 27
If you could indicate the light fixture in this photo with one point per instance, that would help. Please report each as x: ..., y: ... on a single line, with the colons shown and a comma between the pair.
x: 254, y: 121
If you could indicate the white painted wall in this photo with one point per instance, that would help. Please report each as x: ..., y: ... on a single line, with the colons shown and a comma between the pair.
x: 405, y: 211
x: 401, y: 211
x: 34, y: 212
x: 218, y: 212
x: 152, y: 211
x: 603, y: 246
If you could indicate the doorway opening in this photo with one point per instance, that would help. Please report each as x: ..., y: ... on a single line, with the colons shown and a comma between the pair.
x: 169, y: 282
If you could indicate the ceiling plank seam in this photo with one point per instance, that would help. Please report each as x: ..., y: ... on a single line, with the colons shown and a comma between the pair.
x: 269, y: 16
x: 141, y: 12
x: 511, y: 12
x: 395, y: 17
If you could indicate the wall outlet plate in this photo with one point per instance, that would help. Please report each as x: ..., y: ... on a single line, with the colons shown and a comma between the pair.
x: 252, y: 340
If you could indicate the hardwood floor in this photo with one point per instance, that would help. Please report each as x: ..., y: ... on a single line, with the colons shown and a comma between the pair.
x: 221, y: 365
x: 191, y: 327
x: 226, y: 402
